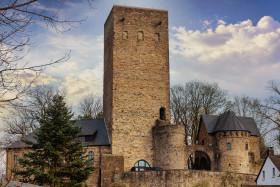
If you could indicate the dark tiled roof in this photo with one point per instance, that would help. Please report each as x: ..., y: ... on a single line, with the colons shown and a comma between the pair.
x: 228, y: 121
x: 210, y: 122
x: 95, y: 127
x: 21, y: 144
x: 276, y: 161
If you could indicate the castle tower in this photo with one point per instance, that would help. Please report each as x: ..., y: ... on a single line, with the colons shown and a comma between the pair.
x: 136, y: 79
x: 233, y: 140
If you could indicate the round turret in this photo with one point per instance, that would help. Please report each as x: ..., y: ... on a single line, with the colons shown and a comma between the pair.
x: 234, y: 151
x: 169, y: 146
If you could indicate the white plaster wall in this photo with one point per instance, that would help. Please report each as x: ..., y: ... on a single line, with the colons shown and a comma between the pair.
x: 269, y: 179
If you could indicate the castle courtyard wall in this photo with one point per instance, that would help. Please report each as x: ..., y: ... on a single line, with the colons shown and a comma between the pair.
x: 183, y: 178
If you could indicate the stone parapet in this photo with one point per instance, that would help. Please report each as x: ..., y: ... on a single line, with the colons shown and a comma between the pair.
x: 184, y: 178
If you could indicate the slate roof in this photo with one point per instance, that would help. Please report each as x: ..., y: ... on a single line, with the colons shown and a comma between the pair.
x: 95, y: 127
x: 228, y: 121
x: 276, y: 161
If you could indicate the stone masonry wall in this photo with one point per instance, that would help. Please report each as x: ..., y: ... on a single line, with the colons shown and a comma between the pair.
x: 169, y: 146
x: 112, y: 169
x: 93, y: 180
x: 236, y: 158
x: 136, y: 79
x: 184, y: 178
x: 204, y: 138
x: 10, y: 161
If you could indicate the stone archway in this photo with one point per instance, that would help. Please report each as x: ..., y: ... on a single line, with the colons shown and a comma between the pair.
x: 199, y: 160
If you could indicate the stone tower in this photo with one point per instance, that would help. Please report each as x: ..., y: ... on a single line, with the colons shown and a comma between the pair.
x: 233, y: 140
x: 136, y: 79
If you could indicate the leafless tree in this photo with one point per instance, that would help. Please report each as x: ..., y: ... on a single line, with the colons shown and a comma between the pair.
x: 272, y: 104
x: 16, y: 17
x: 190, y: 101
x: 251, y: 107
x: 22, y: 117
x: 90, y: 107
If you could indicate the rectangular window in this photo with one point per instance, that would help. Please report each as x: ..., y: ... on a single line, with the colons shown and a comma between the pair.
x: 140, y: 36
x: 90, y: 156
x: 263, y: 175
x: 228, y: 146
x: 15, y: 161
x: 273, y: 172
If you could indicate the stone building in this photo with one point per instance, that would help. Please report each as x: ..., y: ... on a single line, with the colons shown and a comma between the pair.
x: 136, y: 101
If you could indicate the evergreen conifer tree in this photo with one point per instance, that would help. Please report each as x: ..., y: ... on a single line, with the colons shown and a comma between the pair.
x: 57, y: 156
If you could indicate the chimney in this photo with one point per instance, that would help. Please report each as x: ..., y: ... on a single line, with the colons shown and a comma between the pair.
x: 270, y: 151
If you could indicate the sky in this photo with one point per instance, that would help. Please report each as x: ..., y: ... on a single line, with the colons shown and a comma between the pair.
x: 234, y: 43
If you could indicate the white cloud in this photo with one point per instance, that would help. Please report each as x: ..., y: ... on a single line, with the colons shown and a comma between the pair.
x: 221, y: 22
x: 84, y: 83
x: 241, y: 57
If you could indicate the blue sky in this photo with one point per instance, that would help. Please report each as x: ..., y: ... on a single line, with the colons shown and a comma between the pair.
x: 235, y: 43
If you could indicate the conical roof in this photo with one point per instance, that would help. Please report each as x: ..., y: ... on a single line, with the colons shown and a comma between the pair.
x: 228, y: 121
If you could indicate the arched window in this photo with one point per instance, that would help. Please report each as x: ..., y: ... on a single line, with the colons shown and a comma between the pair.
x: 141, y: 165
x: 162, y: 114
x: 90, y: 156
x: 228, y: 145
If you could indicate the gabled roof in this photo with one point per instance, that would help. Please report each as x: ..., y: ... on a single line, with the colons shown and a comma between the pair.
x: 228, y: 121
x: 95, y: 127
x: 276, y: 161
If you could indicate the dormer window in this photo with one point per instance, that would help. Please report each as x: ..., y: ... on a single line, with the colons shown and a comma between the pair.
x: 88, y: 138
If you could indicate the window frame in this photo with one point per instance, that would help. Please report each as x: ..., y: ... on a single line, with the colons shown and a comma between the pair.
x: 91, y: 157
x: 141, y: 168
x: 15, y: 161
x: 229, y: 146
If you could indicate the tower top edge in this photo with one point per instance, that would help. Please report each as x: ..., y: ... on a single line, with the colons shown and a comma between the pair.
x: 138, y: 8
